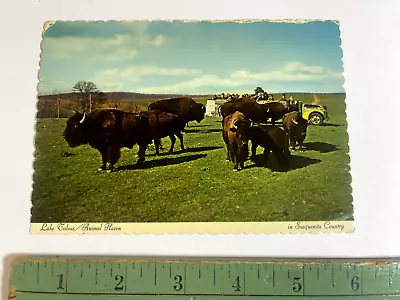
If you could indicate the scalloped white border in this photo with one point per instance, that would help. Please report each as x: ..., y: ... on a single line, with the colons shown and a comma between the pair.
x: 294, y: 227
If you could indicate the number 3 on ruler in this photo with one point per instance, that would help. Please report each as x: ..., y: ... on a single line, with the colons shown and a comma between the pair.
x: 60, y: 282
x: 178, y: 286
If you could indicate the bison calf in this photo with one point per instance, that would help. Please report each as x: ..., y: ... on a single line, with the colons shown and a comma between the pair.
x: 295, y: 127
x: 163, y: 124
x: 235, y: 131
x: 271, y: 138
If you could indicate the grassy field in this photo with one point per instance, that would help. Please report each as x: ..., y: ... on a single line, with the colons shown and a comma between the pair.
x: 197, y: 185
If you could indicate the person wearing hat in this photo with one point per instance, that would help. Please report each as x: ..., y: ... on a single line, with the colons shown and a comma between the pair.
x: 287, y: 102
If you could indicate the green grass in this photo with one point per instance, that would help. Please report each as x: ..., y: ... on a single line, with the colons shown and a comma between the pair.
x: 198, y: 185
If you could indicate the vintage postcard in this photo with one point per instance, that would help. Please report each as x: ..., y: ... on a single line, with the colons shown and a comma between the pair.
x: 191, y: 127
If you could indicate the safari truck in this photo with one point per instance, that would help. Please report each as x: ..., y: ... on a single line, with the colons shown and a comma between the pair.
x: 315, y: 114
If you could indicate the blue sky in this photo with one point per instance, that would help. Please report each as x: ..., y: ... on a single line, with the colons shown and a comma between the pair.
x: 192, y: 57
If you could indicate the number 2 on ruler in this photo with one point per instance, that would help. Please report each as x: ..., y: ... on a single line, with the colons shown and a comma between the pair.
x: 119, y: 279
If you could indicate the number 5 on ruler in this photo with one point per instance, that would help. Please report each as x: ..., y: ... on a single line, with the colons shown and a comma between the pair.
x: 60, y: 281
x: 296, y: 284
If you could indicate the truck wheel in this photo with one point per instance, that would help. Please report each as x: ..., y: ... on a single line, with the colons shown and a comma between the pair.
x: 316, y: 118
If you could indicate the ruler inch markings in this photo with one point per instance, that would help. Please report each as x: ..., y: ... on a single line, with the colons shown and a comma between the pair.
x: 155, y: 274
x: 38, y: 273
x: 184, y: 276
x: 302, y: 272
x: 214, y: 276
x: 273, y: 277
x: 66, y: 277
x: 244, y: 281
x: 126, y: 278
x: 227, y: 279
x: 96, y: 275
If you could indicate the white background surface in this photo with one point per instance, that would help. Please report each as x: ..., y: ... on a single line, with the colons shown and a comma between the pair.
x: 370, y: 41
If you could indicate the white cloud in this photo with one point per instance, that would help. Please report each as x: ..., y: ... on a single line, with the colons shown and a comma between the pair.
x: 111, y: 86
x: 116, y: 48
x: 114, y: 77
x: 158, y: 40
x: 300, y: 67
x: 197, y: 83
x: 291, y: 72
x: 52, y: 86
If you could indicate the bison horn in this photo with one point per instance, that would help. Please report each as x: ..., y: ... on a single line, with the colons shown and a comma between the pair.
x: 268, y: 109
x: 295, y: 122
x: 251, y: 123
x: 83, y: 119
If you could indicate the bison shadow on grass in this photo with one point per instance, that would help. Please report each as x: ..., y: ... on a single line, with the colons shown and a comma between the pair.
x: 194, y: 149
x: 197, y: 125
x: 202, y: 131
x: 204, y: 148
x: 161, y: 162
x: 321, y: 147
x: 296, y: 162
x: 330, y: 125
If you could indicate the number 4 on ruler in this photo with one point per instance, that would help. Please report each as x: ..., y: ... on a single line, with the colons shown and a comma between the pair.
x: 236, y: 284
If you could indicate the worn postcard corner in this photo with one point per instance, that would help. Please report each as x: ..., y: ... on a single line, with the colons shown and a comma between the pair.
x: 182, y: 126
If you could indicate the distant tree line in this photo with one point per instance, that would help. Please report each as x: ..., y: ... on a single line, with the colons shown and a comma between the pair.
x: 85, y: 97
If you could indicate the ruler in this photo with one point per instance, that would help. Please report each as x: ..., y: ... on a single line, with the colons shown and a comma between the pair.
x: 66, y: 278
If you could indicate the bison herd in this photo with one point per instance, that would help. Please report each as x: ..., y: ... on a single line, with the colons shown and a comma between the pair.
x: 109, y: 130
x: 239, y: 118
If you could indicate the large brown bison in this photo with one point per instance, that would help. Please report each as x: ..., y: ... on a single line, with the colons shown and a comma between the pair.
x: 184, y: 107
x: 234, y: 134
x: 295, y: 127
x: 259, y: 113
x: 276, y: 111
x: 248, y: 107
x: 109, y: 130
x: 271, y: 138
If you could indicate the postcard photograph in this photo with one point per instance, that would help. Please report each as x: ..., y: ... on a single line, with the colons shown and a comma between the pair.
x: 191, y: 127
